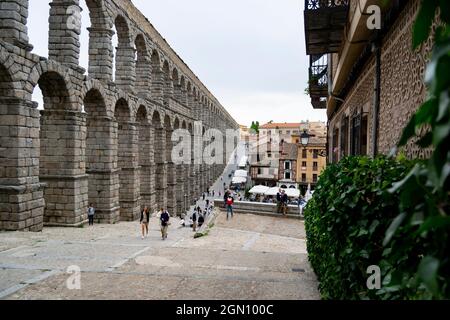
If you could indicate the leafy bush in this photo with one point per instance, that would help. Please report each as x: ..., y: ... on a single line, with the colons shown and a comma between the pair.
x: 346, y: 223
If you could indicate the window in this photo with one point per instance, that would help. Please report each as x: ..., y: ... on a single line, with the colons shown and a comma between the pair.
x: 335, y: 151
x: 303, y: 177
x: 316, y: 154
x: 344, y: 137
x: 269, y: 154
x: 287, y: 175
x: 297, y: 141
x: 315, y: 166
x: 304, y: 164
x: 304, y: 154
x: 364, y: 126
x: 259, y: 171
x: 314, y: 178
x: 288, y: 132
x: 287, y: 165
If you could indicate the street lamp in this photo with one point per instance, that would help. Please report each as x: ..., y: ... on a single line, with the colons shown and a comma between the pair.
x: 305, y: 141
x: 305, y: 138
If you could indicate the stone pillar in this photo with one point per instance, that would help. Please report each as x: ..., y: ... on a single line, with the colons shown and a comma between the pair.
x: 125, y: 67
x: 160, y: 169
x: 13, y: 23
x: 64, y: 32
x: 157, y: 86
x: 100, y: 54
x: 129, y: 172
x: 181, y: 200
x: 62, y: 167
x: 104, y: 182
x: 171, y: 175
x: 145, y: 163
x: 21, y: 193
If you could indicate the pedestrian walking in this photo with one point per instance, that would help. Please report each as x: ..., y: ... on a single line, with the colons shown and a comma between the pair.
x: 207, y: 203
x: 229, y: 204
x: 284, y: 201
x: 164, y: 218
x: 204, y: 196
x: 201, y: 220
x: 145, y: 219
x: 91, y: 214
x: 194, y: 220
x: 279, y: 201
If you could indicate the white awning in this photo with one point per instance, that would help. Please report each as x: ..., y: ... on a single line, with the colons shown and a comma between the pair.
x: 259, y: 189
x: 241, y: 173
x: 243, y: 162
x: 291, y: 193
x: 237, y: 180
x: 272, y: 191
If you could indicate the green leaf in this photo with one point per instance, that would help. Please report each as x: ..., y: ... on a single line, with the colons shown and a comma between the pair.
x: 393, y: 228
x: 445, y: 10
x: 423, y: 22
x: 435, y: 222
x: 428, y: 269
x: 408, y: 132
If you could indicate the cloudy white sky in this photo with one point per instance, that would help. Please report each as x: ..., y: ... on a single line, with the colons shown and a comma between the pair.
x: 249, y: 53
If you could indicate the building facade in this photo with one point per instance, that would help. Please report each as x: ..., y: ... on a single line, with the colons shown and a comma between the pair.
x: 369, y: 80
x: 116, y: 153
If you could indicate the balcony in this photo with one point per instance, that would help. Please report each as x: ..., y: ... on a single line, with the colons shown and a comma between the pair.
x: 325, y: 21
x: 318, y: 80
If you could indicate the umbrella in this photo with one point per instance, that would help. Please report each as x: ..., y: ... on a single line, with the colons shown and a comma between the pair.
x: 237, y: 180
x: 260, y: 189
x: 272, y: 191
x: 241, y: 173
x: 293, y: 193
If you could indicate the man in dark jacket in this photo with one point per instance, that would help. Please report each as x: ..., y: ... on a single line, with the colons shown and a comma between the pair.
x: 284, y: 201
x: 279, y: 201
x: 164, y: 218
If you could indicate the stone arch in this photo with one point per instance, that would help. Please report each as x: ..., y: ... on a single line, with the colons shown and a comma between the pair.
x: 56, y: 84
x: 143, y: 65
x: 183, y: 90
x: 125, y: 55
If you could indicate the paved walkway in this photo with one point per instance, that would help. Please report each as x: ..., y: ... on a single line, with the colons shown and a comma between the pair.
x: 249, y: 257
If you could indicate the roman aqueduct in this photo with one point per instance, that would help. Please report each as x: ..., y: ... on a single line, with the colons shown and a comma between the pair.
x: 97, y: 140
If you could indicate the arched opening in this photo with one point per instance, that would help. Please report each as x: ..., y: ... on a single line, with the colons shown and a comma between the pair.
x: 157, y: 78
x: 183, y: 95
x: 176, y: 85
x: 168, y: 85
x: 160, y: 185
x: 125, y: 55
x: 143, y: 65
x: 127, y: 157
x: 144, y: 151
x: 62, y: 154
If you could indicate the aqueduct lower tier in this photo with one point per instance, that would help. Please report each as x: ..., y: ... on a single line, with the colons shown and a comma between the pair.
x: 97, y: 140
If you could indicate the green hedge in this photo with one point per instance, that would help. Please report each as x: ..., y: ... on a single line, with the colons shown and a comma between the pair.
x: 346, y: 223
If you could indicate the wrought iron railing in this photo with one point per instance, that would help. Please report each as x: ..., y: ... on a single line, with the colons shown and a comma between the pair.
x: 318, y: 71
x: 320, y: 4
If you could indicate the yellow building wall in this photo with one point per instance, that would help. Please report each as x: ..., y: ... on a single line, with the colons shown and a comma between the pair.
x: 309, y: 169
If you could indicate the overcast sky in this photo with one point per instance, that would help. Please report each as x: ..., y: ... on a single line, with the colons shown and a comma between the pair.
x: 249, y: 53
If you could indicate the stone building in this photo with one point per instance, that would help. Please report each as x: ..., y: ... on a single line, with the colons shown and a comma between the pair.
x: 116, y: 154
x: 370, y: 80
